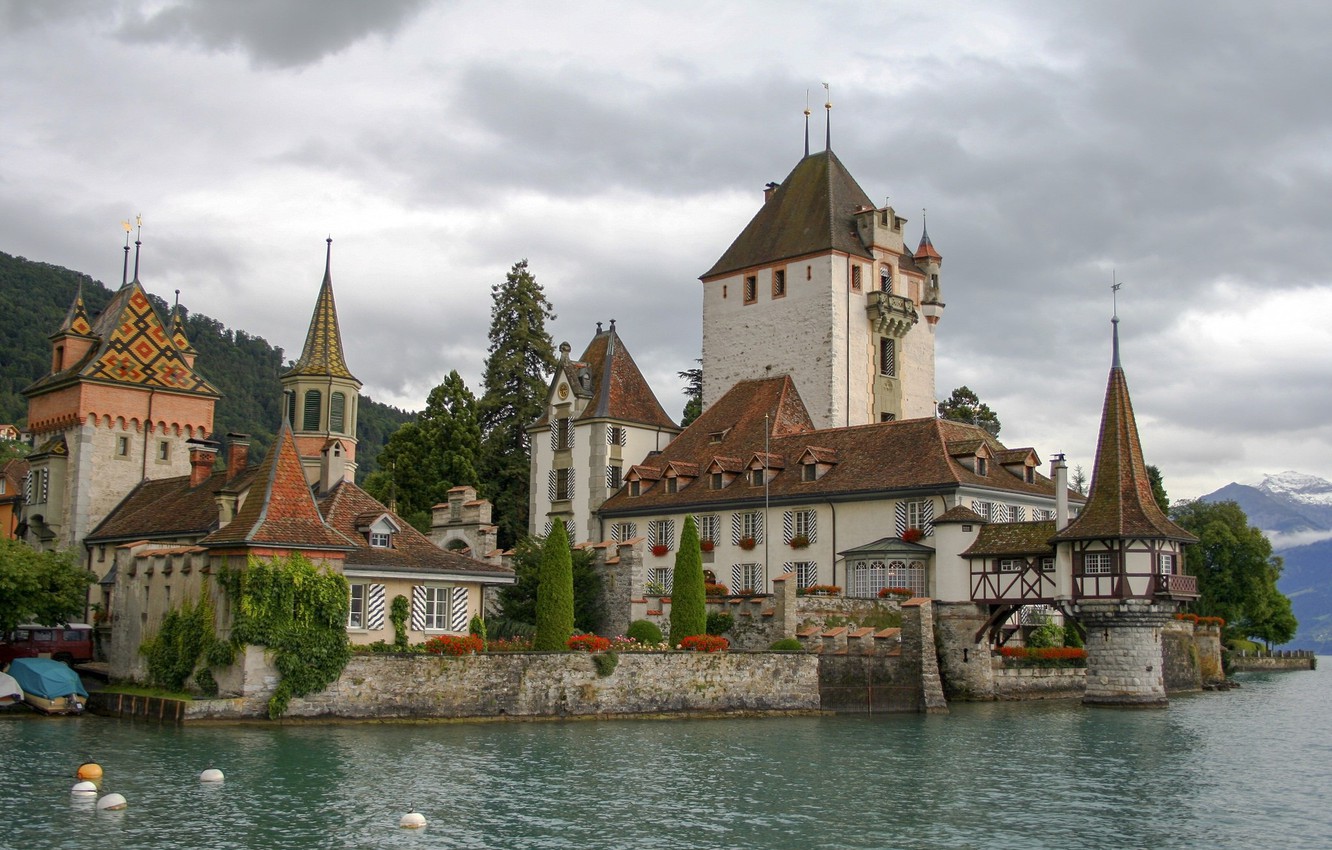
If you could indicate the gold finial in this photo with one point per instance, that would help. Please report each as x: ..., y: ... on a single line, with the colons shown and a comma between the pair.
x: 125, y: 224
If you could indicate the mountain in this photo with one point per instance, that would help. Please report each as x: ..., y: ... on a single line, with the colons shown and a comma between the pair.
x: 33, y: 300
x: 1294, y: 509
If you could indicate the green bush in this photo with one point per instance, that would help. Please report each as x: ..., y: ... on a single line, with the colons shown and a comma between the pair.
x: 1072, y: 637
x: 555, y: 596
x: 689, y: 611
x: 644, y: 631
x: 719, y: 622
x: 605, y: 662
x: 477, y: 626
x: 1046, y: 635
x: 507, y: 628
x: 399, y: 611
x: 789, y: 644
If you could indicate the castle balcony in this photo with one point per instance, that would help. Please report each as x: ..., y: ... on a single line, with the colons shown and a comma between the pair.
x: 891, y: 315
x: 1183, y: 588
x: 1030, y: 585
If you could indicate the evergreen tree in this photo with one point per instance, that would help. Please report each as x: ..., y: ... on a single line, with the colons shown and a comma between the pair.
x: 1079, y: 479
x: 965, y: 406
x: 1158, y: 488
x: 694, y: 392
x: 521, y: 359
x: 425, y: 458
x: 555, y: 601
x: 518, y: 601
x: 1237, y: 572
x: 689, y: 614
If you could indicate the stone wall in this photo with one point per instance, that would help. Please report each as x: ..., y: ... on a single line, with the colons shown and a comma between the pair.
x: 1241, y: 662
x: 963, y: 661
x: 1183, y: 666
x: 535, y: 685
x: 1023, y: 683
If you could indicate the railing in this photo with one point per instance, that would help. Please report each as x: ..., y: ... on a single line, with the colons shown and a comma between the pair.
x: 892, y: 315
x: 1177, y: 586
x: 1119, y: 585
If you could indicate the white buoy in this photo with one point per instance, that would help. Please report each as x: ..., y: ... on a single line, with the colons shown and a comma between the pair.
x: 84, y: 789
x: 212, y: 774
x: 111, y: 803
x: 412, y: 820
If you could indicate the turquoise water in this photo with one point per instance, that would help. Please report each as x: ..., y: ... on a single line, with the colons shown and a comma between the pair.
x: 1242, y: 769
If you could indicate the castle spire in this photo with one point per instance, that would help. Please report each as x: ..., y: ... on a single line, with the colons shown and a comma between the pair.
x: 827, y: 125
x: 926, y: 247
x: 76, y: 318
x: 138, y: 219
x: 178, y: 336
x: 322, y: 354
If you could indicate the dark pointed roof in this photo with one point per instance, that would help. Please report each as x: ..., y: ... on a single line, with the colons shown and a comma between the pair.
x: 76, y: 318
x: 280, y: 510
x: 810, y: 212
x: 1121, y: 503
x: 619, y: 390
x: 926, y: 249
x: 134, y: 348
x: 322, y: 355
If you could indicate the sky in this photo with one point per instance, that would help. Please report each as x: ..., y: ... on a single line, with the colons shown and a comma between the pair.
x: 1183, y: 149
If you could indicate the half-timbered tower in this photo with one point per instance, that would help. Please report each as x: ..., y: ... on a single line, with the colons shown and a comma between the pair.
x: 820, y: 285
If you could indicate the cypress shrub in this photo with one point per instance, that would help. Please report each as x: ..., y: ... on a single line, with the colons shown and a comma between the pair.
x: 689, y: 613
x: 555, y: 598
x: 788, y: 644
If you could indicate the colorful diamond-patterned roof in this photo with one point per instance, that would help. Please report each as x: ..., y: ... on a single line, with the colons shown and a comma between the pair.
x: 322, y: 355
x: 76, y: 318
x: 178, y: 337
x: 134, y: 348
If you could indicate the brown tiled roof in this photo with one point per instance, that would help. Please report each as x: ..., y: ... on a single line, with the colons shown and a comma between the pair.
x: 618, y: 387
x: 810, y: 212
x: 1014, y: 538
x: 280, y: 510
x: 168, y: 507
x: 905, y: 455
x: 959, y: 514
x: 322, y: 355
x: 14, y: 471
x: 926, y: 248
x: 346, y: 506
x: 1121, y: 502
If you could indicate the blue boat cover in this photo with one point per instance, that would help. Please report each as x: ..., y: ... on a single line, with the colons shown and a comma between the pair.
x: 46, y: 678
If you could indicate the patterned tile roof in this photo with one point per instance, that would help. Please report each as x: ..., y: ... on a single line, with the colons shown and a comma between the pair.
x: 1013, y: 538
x: 76, y: 318
x: 135, y: 348
x: 1120, y: 504
x: 280, y: 510
x: 322, y: 355
x: 168, y: 507
x: 810, y: 212
x: 346, y: 508
x: 905, y: 455
x: 178, y: 337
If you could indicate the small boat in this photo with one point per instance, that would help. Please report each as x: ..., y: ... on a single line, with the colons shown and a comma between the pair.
x: 49, y: 686
x: 10, y: 692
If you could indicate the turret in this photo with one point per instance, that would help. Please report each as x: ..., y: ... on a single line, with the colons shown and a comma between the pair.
x: 929, y: 261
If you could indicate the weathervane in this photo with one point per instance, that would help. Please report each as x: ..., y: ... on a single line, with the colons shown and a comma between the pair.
x: 1114, y: 293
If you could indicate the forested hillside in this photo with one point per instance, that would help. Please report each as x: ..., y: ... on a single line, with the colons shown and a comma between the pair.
x: 244, y: 368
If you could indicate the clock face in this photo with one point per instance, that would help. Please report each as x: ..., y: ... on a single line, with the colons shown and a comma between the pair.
x: 564, y: 391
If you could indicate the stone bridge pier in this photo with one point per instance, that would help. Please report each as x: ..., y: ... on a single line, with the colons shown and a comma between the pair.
x: 1125, y: 657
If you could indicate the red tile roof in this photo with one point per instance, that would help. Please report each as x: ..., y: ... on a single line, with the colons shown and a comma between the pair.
x: 1013, y: 538
x: 168, y: 507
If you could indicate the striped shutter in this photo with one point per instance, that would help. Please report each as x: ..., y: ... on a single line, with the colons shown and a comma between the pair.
x: 554, y: 434
x: 812, y: 526
x: 927, y: 517
x: 550, y: 485
x: 735, y: 529
x: 569, y: 479
x: 788, y: 525
x: 1019, y: 513
x: 374, y: 607
x: 458, y: 610
x: 998, y: 512
x: 418, y: 607
x: 901, y: 518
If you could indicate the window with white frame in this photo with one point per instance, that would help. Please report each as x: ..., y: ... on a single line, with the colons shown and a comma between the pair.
x: 1047, y: 564
x: 868, y: 578
x: 1010, y: 565
x: 908, y: 574
x: 801, y: 523
x: 1165, y: 563
x: 707, y: 527
x: 660, y: 580
x: 381, y: 540
x: 435, y: 607
x: 356, y: 606
x: 747, y: 577
x: 1096, y: 563
x: 806, y: 572
x: 747, y: 525
x: 661, y: 532
x: 919, y: 514
x: 622, y: 531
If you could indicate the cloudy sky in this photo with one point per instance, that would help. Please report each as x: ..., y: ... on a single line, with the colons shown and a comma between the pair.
x: 1184, y: 147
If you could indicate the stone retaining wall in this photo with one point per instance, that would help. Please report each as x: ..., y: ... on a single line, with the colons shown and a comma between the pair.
x: 1022, y: 683
x: 1279, y: 660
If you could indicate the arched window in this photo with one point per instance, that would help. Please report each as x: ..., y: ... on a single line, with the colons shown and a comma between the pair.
x: 310, y: 421
x: 337, y: 408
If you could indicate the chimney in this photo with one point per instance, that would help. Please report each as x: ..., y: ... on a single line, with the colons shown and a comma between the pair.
x: 333, y: 466
x: 238, y: 454
x: 768, y: 191
x: 202, y: 455
x: 1059, y: 472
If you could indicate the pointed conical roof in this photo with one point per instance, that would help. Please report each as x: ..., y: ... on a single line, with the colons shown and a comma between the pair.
x: 926, y: 248
x: 178, y: 337
x: 810, y: 212
x: 619, y: 389
x: 76, y: 318
x: 1121, y: 503
x: 280, y: 511
x: 322, y: 355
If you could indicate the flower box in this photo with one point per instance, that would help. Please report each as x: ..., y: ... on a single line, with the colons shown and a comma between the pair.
x: 660, y: 549
x: 898, y: 592
x: 800, y: 541
x: 913, y: 535
x: 706, y: 545
x: 716, y: 589
x: 747, y: 543
x: 819, y: 590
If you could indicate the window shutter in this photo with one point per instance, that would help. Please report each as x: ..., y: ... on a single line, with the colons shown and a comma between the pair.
x: 927, y: 517
x: 788, y: 525
x: 310, y: 419
x: 374, y: 607
x: 735, y: 529
x: 1019, y: 513
x: 418, y: 607
x: 458, y: 610
x: 554, y: 434
x: 901, y: 512
x: 550, y: 485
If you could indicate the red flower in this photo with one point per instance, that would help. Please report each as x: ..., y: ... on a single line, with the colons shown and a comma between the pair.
x: 455, y: 644
x: 911, y: 535
x: 705, y: 643
x: 660, y: 549
x: 588, y: 643
x: 706, y: 545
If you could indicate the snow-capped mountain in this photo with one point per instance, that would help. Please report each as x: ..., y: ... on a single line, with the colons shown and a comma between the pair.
x: 1298, y: 487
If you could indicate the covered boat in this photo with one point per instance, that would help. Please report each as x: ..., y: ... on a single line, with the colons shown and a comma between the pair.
x: 10, y: 692
x: 48, y: 685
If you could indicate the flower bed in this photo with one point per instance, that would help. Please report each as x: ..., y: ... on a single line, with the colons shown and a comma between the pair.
x: 1192, y: 618
x: 716, y: 589
x: 588, y: 643
x: 819, y: 590
x: 455, y: 645
x: 1044, y: 656
x: 1211, y: 621
x: 513, y: 644
x: 900, y: 592
x: 705, y: 643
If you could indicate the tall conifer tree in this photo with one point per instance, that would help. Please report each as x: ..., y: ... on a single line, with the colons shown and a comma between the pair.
x: 555, y: 598
x: 520, y: 362
x: 689, y: 613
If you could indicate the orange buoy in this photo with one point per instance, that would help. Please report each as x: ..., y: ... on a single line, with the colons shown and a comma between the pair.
x: 91, y: 771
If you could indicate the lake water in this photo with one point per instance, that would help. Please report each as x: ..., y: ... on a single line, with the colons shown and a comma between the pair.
x: 1243, y: 769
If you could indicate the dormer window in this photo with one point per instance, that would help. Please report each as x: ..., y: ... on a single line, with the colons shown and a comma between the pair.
x: 378, y: 529
x: 809, y: 472
x: 757, y: 476
x: 672, y: 485
x: 718, y: 481
x: 982, y: 466
x: 635, y: 487
x: 381, y: 540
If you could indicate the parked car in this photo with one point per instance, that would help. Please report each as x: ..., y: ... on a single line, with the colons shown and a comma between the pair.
x: 71, y: 643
